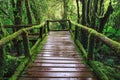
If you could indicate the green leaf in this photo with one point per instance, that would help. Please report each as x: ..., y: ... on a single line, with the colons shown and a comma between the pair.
x: 111, y: 30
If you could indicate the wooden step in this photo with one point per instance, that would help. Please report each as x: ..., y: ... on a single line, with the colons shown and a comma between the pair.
x: 59, y: 65
x: 57, y: 79
x: 58, y: 58
x: 61, y: 69
x: 58, y: 74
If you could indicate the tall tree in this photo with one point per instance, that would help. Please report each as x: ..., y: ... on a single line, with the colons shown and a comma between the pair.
x: 28, y: 10
x: 36, y: 11
x: 83, y: 22
x: 17, y: 11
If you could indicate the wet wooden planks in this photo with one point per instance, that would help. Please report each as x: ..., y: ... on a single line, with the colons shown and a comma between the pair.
x: 58, y: 60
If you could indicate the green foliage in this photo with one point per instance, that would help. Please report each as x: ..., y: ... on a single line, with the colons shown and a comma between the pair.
x: 11, y: 65
x: 111, y: 73
x: 113, y: 25
x: 54, y: 9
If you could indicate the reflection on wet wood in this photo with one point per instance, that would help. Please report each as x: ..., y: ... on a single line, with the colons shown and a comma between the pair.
x: 58, y: 60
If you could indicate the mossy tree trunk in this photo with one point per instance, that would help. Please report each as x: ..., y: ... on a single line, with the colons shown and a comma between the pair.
x: 36, y: 12
x: 17, y: 21
x: 87, y: 12
x: 65, y: 13
x: 104, y: 19
x: 101, y: 8
x: 28, y: 10
x: 78, y: 19
x: 91, y: 39
x: 83, y: 34
x: 109, y: 42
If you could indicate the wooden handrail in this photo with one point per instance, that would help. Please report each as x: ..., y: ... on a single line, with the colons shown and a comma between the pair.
x: 19, y: 32
x: 109, y: 42
x: 19, y: 26
x: 57, y: 20
x: 24, y: 33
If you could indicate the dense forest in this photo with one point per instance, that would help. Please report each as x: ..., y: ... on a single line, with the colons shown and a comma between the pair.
x: 101, y: 15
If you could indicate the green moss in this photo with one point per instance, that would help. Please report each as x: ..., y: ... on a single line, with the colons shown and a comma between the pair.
x: 19, y: 69
x: 98, y: 69
x: 109, y: 42
x: 9, y: 38
x: 104, y: 72
x: 81, y: 48
x: 24, y: 65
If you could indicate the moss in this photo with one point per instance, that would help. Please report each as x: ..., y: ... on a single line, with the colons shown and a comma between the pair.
x: 19, y: 69
x: 9, y: 38
x: 104, y: 72
x: 98, y: 69
x: 79, y: 46
x: 109, y: 42
x: 24, y: 65
x: 83, y: 51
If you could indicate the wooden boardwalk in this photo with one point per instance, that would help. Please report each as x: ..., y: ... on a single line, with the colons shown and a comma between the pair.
x: 58, y: 60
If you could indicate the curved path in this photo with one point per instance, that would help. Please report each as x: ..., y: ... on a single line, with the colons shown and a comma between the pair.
x: 58, y: 60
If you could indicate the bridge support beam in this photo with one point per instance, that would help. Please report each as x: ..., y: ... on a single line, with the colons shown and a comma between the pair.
x: 26, y: 45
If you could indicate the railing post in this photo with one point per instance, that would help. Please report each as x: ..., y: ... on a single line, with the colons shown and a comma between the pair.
x: 90, y: 55
x: 69, y: 24
x: 48, y: 26
x: 2, y: 61
x: 41, y: 32
x: 76, y: 34
x: 16, y: 43
x: 45, y: 29
x: 26, y: 45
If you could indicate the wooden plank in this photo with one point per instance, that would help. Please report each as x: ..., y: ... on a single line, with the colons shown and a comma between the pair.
x: 58, y: 74
x: 61, y: 69
x: 59, y: 65
x: 57, y: 79
x: 58, y: 60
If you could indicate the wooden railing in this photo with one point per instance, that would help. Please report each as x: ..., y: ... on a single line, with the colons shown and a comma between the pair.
x: 23, y: 33
x: 89, y: 53
x: 64, y: 27
x: 44, y: 28
x: 114, y: 45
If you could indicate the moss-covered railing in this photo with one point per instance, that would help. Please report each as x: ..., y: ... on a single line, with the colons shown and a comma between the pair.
x: 23, y: 33
x: 113, y: 45
x: 65, y: 25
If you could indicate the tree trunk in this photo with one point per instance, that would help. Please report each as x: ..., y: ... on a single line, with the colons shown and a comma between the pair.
x: 65, y: 6
x: 28, y: 10
x: 104, y: 19
x: 17, y: 21
x: 109, y: 42
x: 78, y: 20
x: 78, y: 11
x: 35, y: 11
x: 83, y: 34
x: 87, y: 13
